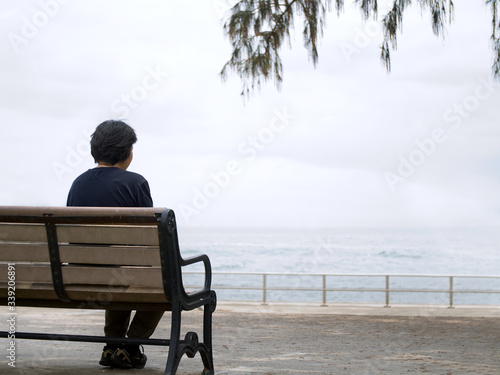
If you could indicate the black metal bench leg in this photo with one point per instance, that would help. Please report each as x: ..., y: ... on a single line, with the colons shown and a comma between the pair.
x: 206, y: 348
x: 190, y: 345
x: 175, y: 333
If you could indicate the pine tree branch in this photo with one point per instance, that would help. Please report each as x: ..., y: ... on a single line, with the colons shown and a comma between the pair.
x: 495, y: 37
x: 257, y: 31
x: 392, y: 23
x: 258, y: 28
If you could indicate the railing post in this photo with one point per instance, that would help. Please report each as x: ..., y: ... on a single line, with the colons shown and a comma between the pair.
x: 324, y: 291
x: 451, y: 293
x: 387, y: 291
x: 264, y: 288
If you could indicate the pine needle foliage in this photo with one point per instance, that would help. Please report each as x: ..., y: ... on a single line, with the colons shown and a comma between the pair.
x: 441, y: 12
x: 495, y: 35
x: 257, y: 30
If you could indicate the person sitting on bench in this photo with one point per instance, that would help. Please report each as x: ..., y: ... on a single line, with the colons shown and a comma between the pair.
x: 109, y: 184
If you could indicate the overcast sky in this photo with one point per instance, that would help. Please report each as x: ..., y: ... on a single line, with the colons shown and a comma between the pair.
x: 344, y: 144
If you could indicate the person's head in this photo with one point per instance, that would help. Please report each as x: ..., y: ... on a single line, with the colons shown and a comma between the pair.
x: 112, y: 142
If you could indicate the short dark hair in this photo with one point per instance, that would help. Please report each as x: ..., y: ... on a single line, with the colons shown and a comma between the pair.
x: 112, y: 142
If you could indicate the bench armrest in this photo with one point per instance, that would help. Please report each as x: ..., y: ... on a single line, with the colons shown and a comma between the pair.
x: 208, y: 272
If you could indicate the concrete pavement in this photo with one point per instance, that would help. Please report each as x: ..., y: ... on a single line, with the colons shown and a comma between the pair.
x: 284, y: 339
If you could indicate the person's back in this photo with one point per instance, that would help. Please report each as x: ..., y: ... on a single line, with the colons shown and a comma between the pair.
x: 109, y: 184
x: 110, y: 187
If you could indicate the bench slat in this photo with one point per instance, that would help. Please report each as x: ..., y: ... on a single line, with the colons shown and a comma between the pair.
x: 120, y: 213
x: 120, y: 255
x: 24, y: 252
x: 23, y: 232
x: 92, y: 295
x: 115, y: 277
x: 30, y: 290
x: 101, y: 295
x: 27, y: 273
x: 101, y: 234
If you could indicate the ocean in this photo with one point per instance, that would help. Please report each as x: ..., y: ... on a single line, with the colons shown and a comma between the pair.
x: 465, y: 251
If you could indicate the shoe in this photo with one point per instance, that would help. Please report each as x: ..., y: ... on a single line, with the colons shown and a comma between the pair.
x: 122, y: 359
x: 106, y: 357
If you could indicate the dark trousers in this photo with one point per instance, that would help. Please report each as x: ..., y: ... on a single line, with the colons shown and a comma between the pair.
x: 142, y: 326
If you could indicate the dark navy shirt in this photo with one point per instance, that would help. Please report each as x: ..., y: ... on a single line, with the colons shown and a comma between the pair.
x: 110, y: 187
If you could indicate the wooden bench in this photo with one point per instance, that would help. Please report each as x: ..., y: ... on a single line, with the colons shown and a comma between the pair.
x: 103, y: 258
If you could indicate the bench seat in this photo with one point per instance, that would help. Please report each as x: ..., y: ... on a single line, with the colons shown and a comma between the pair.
x: 104, y: 258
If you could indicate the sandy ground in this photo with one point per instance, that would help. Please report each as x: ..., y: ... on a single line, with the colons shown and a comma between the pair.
x: 257, y: 340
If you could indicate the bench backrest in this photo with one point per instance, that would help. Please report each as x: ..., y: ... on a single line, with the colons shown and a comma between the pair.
x: 90, y: 255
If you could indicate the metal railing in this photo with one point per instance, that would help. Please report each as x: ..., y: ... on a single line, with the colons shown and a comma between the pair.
x: 265, y: 287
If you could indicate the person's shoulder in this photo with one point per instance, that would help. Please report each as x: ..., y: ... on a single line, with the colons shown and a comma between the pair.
x: 84, y: 175
x: 133, y: 175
